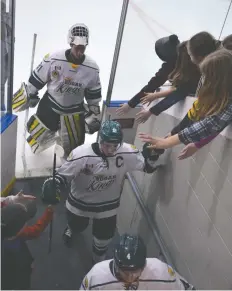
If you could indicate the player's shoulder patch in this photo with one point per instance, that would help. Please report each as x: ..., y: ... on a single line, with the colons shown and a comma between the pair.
x: 133, y: 147
x: 171, y: 272
x: 86, y: 282
x: 70, y: 156
x: 128, y: 148
x: 46, y: 57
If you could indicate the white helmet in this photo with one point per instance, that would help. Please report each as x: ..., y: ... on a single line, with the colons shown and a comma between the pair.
x: 78, y: 34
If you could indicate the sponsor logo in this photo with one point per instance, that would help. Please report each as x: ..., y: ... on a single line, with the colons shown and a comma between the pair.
x: 74, y: 66
x: 101, y: 183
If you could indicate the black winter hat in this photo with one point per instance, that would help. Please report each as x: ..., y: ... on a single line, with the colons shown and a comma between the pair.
x: 166, y: 48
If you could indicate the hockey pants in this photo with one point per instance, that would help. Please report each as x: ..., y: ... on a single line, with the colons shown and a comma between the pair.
x: 44, y: 125
x: 103, y: 231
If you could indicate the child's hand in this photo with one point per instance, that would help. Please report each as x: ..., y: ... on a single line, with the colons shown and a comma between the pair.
x: 142, y: 116
x: 156, y: 142
x: 188, y: 151
x: 123, y: 109
x: 148, y: 98
x: 20, y: 197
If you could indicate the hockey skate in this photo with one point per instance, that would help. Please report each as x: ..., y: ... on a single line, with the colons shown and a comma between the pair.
x: 67, y: 237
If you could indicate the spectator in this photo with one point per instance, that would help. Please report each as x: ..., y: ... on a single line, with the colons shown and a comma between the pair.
x: 18, y: 198
x: 166, y: 50
x: 184, y: 79
x: 192, y: 148
x: 215, y: 97
x: 16, y: 258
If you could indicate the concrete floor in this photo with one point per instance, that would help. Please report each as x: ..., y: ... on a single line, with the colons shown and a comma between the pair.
x: 63, y: 268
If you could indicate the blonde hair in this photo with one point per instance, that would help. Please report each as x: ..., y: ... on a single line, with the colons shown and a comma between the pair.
x: 217, y: 86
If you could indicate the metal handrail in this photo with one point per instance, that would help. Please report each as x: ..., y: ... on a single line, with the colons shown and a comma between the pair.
x: 11, y: 57
x: 117, y: 50
x: 150, y: 220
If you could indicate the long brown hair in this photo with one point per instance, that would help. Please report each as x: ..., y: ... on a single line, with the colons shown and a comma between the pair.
x: 227, y: 42
x: 216, y: 90
x: 201, y: 45
x: 184, y: 70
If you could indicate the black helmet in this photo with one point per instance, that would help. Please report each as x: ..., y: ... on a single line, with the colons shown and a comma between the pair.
x: 166, y: 48
x: 130, y: 253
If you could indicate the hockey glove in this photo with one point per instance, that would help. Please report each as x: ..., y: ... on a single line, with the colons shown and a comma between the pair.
x: 92, y: 125
x: 49, y: 194
x: 33, y: 100
x: 22, y: 100
x: 151, y: 154
x: 92, y: 119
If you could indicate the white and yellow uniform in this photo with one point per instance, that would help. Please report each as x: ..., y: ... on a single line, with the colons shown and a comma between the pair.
x: 156, y: 276
x: 62, y: 106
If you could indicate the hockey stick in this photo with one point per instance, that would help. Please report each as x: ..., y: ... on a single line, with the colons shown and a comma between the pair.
x: 58, y: 150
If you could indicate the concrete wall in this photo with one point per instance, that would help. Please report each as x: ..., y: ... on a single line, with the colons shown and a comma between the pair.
x: 191, y: 201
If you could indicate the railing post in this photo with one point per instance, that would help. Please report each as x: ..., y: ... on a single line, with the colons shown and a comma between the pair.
x: 11, y: 57
x: 117, y: 50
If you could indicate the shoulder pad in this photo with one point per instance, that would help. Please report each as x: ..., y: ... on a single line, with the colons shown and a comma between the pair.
x: 126, y: 147
x: 81, y: 151
x: 90, y: 63
x: 47, y: 56
x: 60, y: 55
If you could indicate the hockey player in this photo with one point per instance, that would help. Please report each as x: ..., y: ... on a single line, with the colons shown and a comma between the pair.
x: 70, y: 75
x: 96, y: 173
x: 131, y: 270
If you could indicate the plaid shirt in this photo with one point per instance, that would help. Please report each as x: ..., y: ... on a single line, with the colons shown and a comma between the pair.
x: 209, y: 126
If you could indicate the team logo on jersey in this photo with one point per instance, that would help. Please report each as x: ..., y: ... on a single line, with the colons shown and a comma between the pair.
x: 69, y: 86
x: 57, y: 68
x: 171, y: 271
x: 101, y: 183
x: 87, y: 170
x: 55, y: 74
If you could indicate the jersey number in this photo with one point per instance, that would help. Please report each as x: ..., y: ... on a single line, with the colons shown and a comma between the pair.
x: 119, y: 162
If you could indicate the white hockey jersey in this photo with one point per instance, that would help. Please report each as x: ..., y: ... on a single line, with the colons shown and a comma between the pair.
x: 156, y: 276
x: 67, y: 83
x: 96, y: 183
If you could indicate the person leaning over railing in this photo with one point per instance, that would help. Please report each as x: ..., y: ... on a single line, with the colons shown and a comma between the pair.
x: 184, y: 79
x: 165, y: 49
x: 214, y: 106
x: 192, y: 148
